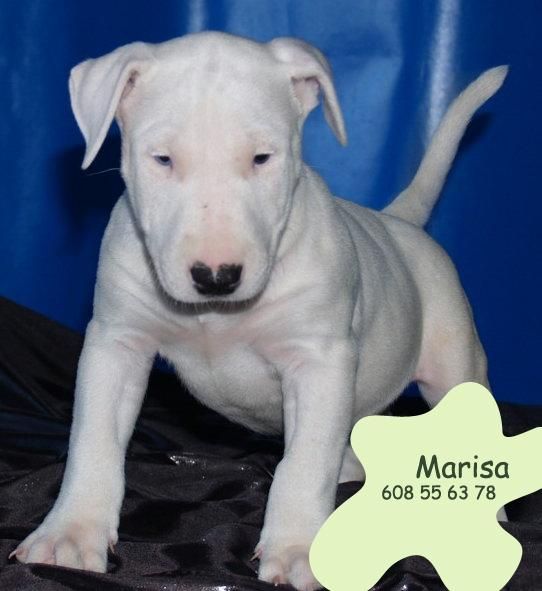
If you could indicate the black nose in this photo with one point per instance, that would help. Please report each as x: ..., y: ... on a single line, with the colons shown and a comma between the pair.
x: 224, y: 282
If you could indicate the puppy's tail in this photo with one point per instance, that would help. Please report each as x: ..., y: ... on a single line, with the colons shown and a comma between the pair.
x: 416, y: 202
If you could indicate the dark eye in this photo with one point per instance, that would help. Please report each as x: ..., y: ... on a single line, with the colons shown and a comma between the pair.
x: 163, y: 160
x: 261, y: 158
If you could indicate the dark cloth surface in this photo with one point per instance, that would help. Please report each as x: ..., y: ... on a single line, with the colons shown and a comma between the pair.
x: 196, y: 485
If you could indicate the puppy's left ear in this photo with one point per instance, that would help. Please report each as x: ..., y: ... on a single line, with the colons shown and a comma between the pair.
x: 98, y: 85
x: 310, y: 73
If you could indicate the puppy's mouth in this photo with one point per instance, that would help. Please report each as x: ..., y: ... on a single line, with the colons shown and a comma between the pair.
x: 186, y: 295
x: 222, y: 304
x: 199, y: 302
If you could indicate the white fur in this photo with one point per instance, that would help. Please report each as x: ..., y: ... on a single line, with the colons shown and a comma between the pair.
x: 338, y: 309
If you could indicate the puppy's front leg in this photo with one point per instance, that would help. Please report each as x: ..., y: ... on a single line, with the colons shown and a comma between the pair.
x: 318, y: 392
x: 111, y: 382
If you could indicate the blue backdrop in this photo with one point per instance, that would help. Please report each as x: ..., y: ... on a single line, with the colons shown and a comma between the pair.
x: 397, y: 65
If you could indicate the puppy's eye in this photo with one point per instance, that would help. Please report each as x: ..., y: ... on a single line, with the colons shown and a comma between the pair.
x: 162, y: 159
x: 261, y: 159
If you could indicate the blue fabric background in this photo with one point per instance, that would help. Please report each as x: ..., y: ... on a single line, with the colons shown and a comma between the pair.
x: 397, y: 64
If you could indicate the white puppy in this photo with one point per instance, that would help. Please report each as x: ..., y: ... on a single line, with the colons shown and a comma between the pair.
x: 283, y: 308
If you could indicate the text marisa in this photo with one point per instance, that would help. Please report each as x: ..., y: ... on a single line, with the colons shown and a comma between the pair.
x: 451, y: 469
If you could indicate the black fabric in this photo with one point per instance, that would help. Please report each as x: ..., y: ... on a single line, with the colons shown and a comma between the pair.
x: 196, y: 485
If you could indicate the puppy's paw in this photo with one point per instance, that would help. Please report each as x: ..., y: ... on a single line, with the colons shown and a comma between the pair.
x: 287, y: 564
x: 76, y: 544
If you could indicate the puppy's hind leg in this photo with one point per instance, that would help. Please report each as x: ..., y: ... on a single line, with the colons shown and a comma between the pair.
x: 451, y: 351
x: 351, y: 468
x: 452, y: 354
x: 456, y: 357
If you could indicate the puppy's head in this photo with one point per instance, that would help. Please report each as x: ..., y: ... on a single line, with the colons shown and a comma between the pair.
x: 211, y: 157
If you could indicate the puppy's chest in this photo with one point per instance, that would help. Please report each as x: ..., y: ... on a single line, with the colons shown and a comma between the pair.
x: 225, y: 367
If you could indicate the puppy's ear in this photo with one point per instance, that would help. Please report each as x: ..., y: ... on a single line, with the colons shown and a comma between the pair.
x: 96, y: 88
x: 310, y: 73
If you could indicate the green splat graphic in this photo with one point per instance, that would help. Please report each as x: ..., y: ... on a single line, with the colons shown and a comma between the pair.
x: 433, y: 487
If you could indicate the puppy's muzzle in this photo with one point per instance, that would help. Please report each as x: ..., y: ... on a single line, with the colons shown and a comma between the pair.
x: 224, y: 282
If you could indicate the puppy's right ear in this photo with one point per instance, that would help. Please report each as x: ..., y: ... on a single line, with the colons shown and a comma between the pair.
x: 96, y: 88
